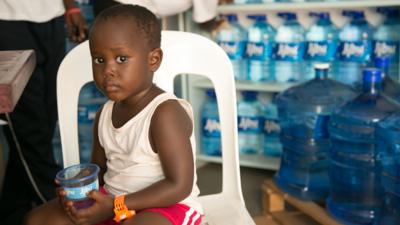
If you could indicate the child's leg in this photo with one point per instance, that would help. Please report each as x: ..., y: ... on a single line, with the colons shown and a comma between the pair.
x: 178, y: 214
x: 49, y: 213
x: 145, y: 218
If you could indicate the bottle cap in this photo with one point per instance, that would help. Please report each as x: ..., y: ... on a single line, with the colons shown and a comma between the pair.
x: 372, y: 75
x: 258, y: 17
x: 231, y: 17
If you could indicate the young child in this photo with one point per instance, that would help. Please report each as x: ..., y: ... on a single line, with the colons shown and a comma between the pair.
x: 143, y: 142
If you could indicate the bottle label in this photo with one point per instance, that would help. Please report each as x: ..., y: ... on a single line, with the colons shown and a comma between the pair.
x: 259, y: 51
x: 87, y: 112
x: 77, y: 193
x: 249, y: 124
x: 235, y: 50
x: 211, y: 127
x: 355, y: 51
x: 323, y: 51
x: 289, y: 51
x: 271, y: 127
x: 386, y: 48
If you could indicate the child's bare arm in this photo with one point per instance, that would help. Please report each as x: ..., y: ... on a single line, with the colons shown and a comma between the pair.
x: 170, y: 131
x: 98, y: 154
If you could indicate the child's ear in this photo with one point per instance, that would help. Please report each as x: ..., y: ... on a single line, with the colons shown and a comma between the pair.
x: 155, y: 58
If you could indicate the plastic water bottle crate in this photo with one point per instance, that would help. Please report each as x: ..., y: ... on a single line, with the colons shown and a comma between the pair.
x: 280, y: 208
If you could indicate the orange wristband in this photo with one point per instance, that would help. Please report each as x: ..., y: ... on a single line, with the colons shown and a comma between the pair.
x: 120, y: 210
x: 72, y: 10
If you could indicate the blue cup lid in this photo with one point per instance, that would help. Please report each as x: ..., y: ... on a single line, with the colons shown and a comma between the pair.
x: 78, y: 173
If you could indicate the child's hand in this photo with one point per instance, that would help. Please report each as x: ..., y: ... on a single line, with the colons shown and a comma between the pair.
x: 65, y: 204
x: 101, y: 210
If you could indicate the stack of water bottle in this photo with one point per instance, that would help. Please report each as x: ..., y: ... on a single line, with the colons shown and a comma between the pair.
x: 342, y: 146
x: 258, y: 126
x: 262, y: 53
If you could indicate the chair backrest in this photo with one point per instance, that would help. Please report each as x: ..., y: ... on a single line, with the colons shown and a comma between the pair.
x: 184, y: 53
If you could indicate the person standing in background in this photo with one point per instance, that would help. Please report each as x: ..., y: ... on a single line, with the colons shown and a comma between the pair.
x: 204, y: 11
x: 37, y: 25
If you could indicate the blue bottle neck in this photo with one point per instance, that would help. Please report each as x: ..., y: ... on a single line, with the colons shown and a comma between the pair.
x: 321, y: 74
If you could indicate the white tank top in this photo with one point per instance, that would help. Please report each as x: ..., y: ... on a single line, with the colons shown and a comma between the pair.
x: 132, y: 165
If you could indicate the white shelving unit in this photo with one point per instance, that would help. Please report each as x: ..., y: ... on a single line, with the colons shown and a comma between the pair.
x: 316, y: 5
x: 194, y: 86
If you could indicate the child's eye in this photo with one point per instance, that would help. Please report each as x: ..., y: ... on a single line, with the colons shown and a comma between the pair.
x: 121, y: 59
x: 98, y: 60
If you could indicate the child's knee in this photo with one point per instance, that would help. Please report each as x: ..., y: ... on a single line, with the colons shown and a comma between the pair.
x: 33, y: 218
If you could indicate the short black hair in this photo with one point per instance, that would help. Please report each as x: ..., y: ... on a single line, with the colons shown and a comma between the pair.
x: 146, y: 22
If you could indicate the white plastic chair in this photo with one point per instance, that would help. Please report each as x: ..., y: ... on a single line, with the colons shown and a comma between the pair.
x: 184, y: 53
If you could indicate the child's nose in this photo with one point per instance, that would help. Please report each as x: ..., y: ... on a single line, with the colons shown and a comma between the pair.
x: 109, y: 69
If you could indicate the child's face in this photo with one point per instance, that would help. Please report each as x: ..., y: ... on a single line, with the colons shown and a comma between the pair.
x: 122, y: 62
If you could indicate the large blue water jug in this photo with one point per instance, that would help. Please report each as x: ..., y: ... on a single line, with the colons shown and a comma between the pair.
x: 232, y: 37
x: 321, y: 44
x: 355, y: 49
x: 289, y: 49
x: 387, y: 39
x: 388, y: 134
x: 249, y: 123
x: 260, y: 41
x: 304, y: 112
x: 355, y: 186
x: 210, y: 126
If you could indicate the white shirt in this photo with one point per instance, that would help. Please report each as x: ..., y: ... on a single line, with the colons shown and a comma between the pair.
x: 31, y: 10
x: 203, y: 10
x: 132, y: 165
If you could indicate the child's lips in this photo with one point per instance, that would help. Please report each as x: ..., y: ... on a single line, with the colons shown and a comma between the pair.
x: 111, y: 87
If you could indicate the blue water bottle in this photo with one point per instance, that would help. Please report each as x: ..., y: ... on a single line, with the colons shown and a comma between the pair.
x: 388, y: 134
x: 355, y: 49
x: 356, y: 192
x: 260, y: 37
x: 289, y: 49
x: 387, y: 39
x: 304, y: 112
x: 210, y: 126
x: 249, y: 123
x: 271, y: 130
x: 321, y: 44
x: 233, y: 38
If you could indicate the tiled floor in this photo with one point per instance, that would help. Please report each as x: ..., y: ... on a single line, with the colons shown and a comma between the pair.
x: 209, y: 181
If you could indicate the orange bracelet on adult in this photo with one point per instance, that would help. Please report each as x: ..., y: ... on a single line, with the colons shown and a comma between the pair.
x: 120, y: 210
x: 72, y: 10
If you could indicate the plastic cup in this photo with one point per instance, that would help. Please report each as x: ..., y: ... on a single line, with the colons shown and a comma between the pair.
x: 77, y: 181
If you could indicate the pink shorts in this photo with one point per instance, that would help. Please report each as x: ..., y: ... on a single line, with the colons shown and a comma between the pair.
x: 177, y: 214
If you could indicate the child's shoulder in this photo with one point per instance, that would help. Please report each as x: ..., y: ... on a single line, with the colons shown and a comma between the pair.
x: 173, y: 110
